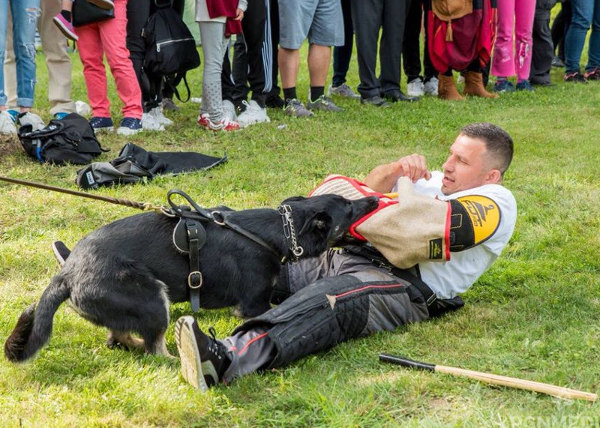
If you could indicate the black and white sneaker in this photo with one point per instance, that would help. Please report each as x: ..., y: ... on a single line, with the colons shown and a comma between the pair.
x: 203, y: 359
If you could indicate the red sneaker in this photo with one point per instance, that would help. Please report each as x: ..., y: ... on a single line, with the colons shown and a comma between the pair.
x: 65, y: 27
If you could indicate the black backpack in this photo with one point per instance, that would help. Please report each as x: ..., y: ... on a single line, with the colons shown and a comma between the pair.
x: 67, y: 140
x: 170, y: 48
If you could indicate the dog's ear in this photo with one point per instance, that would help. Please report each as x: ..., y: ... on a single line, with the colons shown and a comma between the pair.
x: 293, y: 199
x: 319, y: 221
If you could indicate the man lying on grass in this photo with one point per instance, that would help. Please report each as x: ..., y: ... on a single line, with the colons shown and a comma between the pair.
x: 355, y: 291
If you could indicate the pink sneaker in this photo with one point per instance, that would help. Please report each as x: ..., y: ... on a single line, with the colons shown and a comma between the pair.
x: 223, y: 125
x: 65, y: 27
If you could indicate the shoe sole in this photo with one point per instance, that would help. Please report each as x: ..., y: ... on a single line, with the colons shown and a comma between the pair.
x: 102, y: 4
x: 104, y: 129
x: 127, y: 131
x: 191, y: 364
x: 66, y: 32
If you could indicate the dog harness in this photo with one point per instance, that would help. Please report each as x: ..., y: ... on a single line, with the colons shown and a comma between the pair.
x: 189, y: 235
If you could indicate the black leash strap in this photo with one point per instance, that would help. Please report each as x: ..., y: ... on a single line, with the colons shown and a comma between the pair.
x: 195, y: 276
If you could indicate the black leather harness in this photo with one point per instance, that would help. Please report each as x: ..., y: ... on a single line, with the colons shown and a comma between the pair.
x: 189, y: 236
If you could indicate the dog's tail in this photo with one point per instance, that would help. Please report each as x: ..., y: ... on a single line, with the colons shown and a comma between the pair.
x: 34, y: 326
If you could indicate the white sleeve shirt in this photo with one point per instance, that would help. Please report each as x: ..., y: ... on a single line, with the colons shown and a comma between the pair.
x: 447, y: 279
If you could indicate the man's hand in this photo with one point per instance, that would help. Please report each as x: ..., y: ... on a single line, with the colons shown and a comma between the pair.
x: 383, y: 177
x: 239, y: 15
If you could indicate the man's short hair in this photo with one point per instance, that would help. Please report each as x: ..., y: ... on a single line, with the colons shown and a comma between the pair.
x: 498, y: 143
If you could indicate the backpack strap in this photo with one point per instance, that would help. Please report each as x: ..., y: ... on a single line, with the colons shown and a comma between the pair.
x: 169, y: 81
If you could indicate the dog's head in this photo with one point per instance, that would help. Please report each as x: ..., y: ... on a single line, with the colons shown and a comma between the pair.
x: 321, y: 221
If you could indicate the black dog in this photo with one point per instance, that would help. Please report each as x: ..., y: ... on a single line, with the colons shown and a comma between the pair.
x: 124, y: 275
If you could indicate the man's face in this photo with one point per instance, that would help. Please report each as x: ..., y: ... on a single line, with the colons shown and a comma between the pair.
x: 467, y: 166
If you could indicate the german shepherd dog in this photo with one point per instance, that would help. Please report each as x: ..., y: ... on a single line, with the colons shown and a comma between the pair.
x: 124, y: 275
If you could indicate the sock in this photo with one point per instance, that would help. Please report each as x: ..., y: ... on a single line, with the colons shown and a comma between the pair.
x: 316, y: 92
x: 521, y: 81
x: 501, y: 79
x: 289, y: 93
x: 66, y: 14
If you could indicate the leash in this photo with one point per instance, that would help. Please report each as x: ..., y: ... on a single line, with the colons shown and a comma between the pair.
x: 125, y: 202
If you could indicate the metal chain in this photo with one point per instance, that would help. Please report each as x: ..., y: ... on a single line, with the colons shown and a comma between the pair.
x: 289, y: 231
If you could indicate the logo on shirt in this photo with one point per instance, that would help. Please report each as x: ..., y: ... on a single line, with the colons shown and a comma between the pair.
x: 484, y: 214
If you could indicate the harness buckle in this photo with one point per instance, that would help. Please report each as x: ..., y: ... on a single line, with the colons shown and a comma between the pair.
x: 195, y: 280
x: 431, y: 300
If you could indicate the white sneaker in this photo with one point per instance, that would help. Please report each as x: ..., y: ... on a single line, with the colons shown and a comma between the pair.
x: 158, y: 115
x: 7, y: 125
x: 32, y: 119
x: 82, y: 108
x: 149, y: 123
x: 229, y: 111
x: 415, y: 88
x: 431, y: 86
x: 254, y: 113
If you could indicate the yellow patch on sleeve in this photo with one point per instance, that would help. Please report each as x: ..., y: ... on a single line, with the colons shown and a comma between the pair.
x: 484, y: 214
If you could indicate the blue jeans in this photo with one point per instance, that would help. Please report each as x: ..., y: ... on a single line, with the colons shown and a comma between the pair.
x: 25, y: 14
x: 586, y: 13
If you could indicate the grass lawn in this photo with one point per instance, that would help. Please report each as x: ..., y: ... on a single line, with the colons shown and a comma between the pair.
x: 535, y: 314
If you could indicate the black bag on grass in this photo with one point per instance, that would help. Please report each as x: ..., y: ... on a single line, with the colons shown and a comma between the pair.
x: 67, y: 140
x: 170, y: 48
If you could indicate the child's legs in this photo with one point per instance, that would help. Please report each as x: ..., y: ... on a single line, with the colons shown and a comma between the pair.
x: 214, y: 44
x: 113, y: 33
x: 524, y: 13
x: 91, y: 54
x: 25, y: 14
x: 503, y: 64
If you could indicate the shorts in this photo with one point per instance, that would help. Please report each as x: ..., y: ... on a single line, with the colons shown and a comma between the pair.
x: 319, y: 20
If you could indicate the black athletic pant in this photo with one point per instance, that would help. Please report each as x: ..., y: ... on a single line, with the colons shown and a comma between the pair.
x: 252, y: 58
x: 543, y: 48
x: 369, y: 17
x: 411, y: 53
x: 343, y: 54
x: 560, y: 27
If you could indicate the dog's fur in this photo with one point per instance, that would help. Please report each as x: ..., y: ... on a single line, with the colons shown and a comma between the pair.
x: 124, y: 275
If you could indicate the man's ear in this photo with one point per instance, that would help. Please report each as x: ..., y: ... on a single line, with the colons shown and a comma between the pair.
x: 494, y: 176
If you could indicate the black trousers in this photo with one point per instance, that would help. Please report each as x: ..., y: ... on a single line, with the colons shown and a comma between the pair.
x: 368, y: 18
x: 343, y: 54
x: 252, y: 58
x: 560, y: 27
x: 411, y: 54
x: 138, y: 12
x: 543, y: 48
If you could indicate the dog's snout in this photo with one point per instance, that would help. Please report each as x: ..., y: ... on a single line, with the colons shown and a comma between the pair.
x: 370, y: 203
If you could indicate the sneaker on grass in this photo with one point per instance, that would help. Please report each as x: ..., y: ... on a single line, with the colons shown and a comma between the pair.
x: 253, y: 113
x: 223, y: 125
x: 295, y: 108
x: 431, y: 87
x: 129, y: 126
x: 343, y: 91
x: 503, y: 86
x: 323, y: 103
x: 159, y: 117
x: 7, y: 123
x: 575, y: 76
x: 168, y: 104
x: 203, y: 359
x: 102, y: 124
x: 149, y: 123
x: 415, y: 88
x: 32, y: 119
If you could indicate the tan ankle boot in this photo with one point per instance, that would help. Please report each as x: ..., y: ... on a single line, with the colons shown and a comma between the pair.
x: 447, y: 89
x: 474, y: 86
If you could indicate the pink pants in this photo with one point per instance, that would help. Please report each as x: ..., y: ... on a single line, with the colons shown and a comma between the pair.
x: 514, y: 17
x: 108, y: 38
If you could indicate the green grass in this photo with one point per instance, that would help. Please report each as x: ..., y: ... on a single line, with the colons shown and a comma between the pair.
x: 533, y: 315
